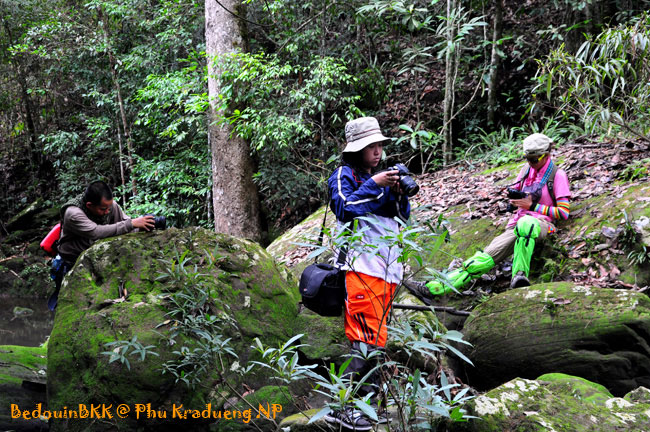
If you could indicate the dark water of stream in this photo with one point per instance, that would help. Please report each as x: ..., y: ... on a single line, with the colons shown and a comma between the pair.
x: 25, y: 329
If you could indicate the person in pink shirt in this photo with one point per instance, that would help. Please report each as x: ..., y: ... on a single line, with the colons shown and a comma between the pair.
x: 545, y: 199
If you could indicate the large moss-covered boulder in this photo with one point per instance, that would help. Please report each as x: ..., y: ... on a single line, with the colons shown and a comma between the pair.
x: 594, y: 235
x: 234, y: 286
x: 557, y: 402
x: 290, y: 248
x: 599, y: 334
x: 22, y: 387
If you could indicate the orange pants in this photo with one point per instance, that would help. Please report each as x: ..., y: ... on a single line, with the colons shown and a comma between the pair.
x: 366, y: 308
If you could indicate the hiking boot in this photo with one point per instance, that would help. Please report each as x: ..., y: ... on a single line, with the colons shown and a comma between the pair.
x: 419, y: 290
x: 350, y: 419
x: 383, y: 418
x: 382, y: 413
x: 519, y: 280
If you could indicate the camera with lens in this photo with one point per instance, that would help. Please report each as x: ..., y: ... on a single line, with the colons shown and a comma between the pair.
x: 514, y: 194
x: 406, y: 182
x: 160, y: 222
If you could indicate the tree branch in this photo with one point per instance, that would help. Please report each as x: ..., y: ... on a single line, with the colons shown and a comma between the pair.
x: 446, y: 309
x: 241, y: 17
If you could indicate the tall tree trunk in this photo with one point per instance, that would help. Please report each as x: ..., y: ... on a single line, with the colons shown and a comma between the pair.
x: 449, y: 88
x: 494, y: 61
x: 125, y: 126
x: 34, y: 156
x: 234, y: 195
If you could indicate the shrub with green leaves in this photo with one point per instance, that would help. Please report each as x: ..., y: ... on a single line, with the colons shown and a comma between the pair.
x: 285, y: 111
x: 605, y: 83
x: 173, y: 174
x: 504, y: 145
x: 415, y: 397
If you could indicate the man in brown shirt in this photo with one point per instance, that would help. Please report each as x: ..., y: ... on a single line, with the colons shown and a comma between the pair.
x: 85, y: 219
x: 93, y: 216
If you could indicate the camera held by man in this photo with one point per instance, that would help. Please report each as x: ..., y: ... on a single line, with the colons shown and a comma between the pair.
x: 160, y: 222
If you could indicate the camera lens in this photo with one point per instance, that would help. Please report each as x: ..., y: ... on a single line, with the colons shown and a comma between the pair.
x: 409, y: 185
x: 160, y: 222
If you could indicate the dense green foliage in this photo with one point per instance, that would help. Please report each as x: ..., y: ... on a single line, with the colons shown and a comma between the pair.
x: 605, y: 83
x: 74, y: 67
x: 117, y: 90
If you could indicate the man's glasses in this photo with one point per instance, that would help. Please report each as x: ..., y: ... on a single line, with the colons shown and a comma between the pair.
x: 535, y: 159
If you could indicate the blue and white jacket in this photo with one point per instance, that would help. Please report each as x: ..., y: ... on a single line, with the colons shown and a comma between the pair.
x: 355, y: 194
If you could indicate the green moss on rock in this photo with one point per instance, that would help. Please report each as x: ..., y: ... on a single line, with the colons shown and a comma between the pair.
x: 590, y: 332
x: 579, y: 387
x: 555, y: 402
x: 22, y: 383
x: 257, y: 297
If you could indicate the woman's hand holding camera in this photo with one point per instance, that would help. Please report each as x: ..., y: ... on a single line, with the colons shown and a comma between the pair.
x: 386, y: 178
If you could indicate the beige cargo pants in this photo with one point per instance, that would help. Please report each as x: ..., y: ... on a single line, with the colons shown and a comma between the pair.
x: 503, y: 246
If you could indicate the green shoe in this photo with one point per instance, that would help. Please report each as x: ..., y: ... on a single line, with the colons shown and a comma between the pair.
x: 438, y: 288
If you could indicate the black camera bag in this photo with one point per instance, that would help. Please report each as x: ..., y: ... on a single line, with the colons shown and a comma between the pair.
x: 322, y: 285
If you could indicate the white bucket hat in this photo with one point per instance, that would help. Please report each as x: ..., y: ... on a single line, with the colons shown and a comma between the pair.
x: 361, y: 132
x: 537, y: 144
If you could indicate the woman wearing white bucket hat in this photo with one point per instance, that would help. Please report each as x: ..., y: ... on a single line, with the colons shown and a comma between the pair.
x: 371, y: 278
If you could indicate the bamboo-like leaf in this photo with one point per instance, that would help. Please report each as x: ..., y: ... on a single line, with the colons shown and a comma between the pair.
x: 366, y: 409
x: 444, y: 383
x: 457, y: 352
x: 319, y: 415
x: 292, y: 340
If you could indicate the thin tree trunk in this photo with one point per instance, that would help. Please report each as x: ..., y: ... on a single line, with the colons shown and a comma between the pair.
x: 116, y: 83
x: 321, y: 53
x: 417, y: 91
x: 125, y: 126
x: 449, y: 89
x: 234, y: 195
x: 495, y: 60
x: 208, y: 197
x: 34, y: 153
x: 120, y: 155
